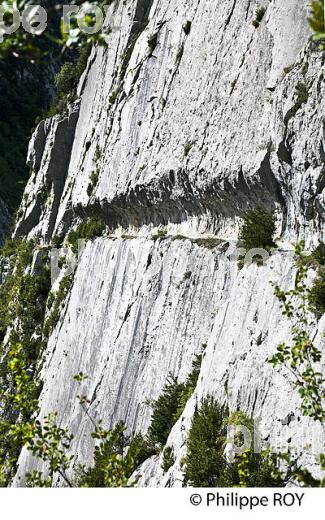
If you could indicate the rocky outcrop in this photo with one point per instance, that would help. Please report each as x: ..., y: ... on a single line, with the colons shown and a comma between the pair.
x: 183, y: 131
x: 198, y: 133
x: 48, y: 158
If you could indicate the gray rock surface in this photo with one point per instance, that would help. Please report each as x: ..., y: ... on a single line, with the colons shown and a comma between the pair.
x: 48, y: 158
x: 185, y: 137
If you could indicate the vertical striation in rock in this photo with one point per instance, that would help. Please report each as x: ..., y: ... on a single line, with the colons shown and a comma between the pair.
x: 181, y: 130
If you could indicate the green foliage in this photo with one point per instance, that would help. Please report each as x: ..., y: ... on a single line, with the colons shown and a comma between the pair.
x: 23, y: 295
x: 56, y: 38
x: 305, y: 478
x: 206, y: 465
x: 65, y: 80
x: 258, y: 470
x: 316, y: 21
x: 87, y: 230
x: 25, y: 102
x: 259, y: 15
x: 80, y: 377
x: 314, y: 259
x: 113, y: 463
x: 319, y: 254
x: 205, y: 462
x: 187, y: 148
x: 116, y: 457
x: 55, y: 303
x: 258, y: 230
x: 171, y: 403
x: 317, y: 293
x: 50, y: 443
x: 160, y: 235
x: 141, y: 449
x: 57, y: 241
x: 189, y: 386
x: 165, y: 411
x: 22, y: 304
x: 168, y: 459
x: 19, y: 400
x: 301, y: 357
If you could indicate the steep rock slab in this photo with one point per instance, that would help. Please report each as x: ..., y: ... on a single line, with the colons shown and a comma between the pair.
x: 48, y: 158
x: 140, y: 310
x: 186, y: 134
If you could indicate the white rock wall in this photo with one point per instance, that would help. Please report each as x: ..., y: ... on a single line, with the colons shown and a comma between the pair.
x: 134, y: 315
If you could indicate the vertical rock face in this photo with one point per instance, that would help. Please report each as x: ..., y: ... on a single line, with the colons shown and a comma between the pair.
x: 190, y: 117
x: 48, y: 158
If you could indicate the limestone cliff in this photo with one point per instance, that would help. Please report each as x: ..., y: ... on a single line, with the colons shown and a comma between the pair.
x: 191, y: 116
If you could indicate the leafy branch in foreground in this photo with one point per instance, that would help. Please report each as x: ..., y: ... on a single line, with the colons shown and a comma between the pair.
x: 116, y: 455
x: 114, y: 462
x: 49, y: 442
x: 53, y: 34
x: 301, y: 357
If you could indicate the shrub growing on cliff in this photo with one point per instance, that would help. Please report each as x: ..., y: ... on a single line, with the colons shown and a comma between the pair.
x: 317, y: 293
x: 190, y: 385
x: 170, y: 405
x: 316, y: 21
x: 116, y: 456
x: 165, y: 412
x: 55, y: 303
x: 319, y: 254
x: 65, y: 80
x: 87, y: 230
x: 206, y: 465
x: 113, y: 463
x: 22, y: 308
x: 168, y: 459
x: 315, y: 259
x: 205, y: 462
x: 259, y: 15
x: 258, y: 230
